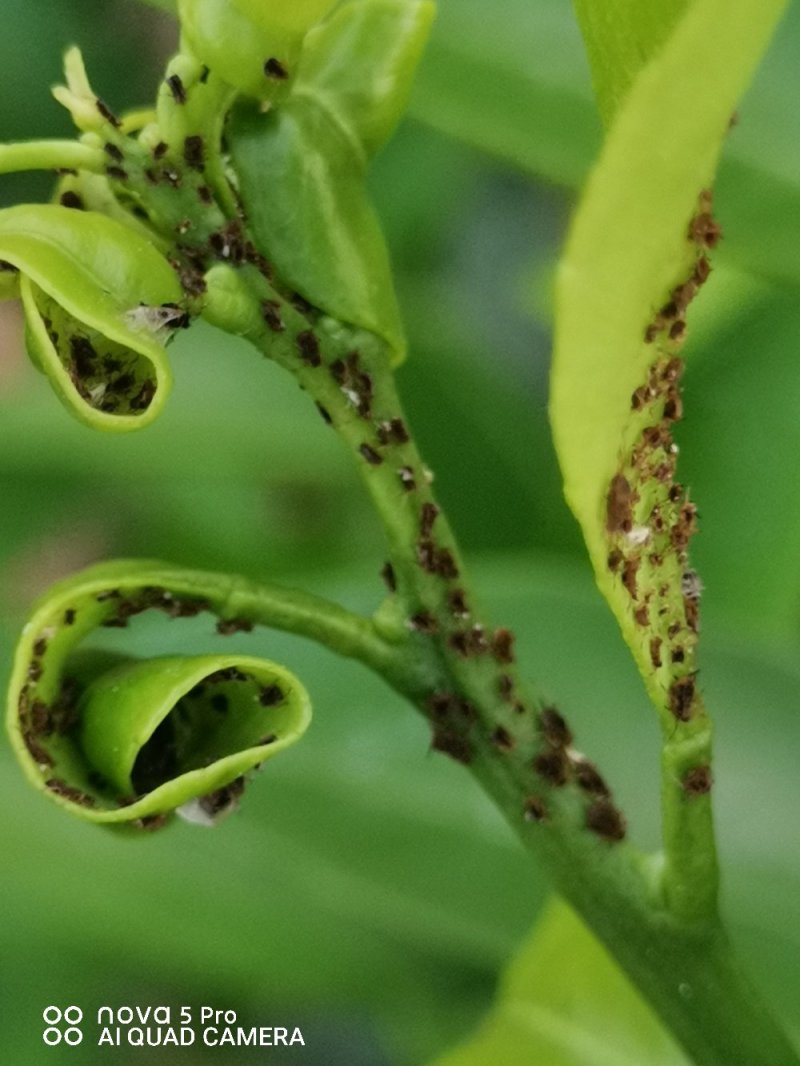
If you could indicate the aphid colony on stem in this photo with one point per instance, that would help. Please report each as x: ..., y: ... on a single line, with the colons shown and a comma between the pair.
x: 649, y: 517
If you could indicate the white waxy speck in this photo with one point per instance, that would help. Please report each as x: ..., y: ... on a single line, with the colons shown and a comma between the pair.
x: 637, y: 536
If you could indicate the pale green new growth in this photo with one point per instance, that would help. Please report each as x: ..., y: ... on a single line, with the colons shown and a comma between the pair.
x: 564, y: 1002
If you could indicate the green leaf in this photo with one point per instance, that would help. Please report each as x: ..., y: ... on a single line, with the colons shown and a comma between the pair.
x: 621, y: 36
x: 130, y: 742
x: 564, y: 1002
x: 99, y: 301
x: 627, y: 251
x: 252, y: 45
x: 318, y: 223
x: 359, y: 65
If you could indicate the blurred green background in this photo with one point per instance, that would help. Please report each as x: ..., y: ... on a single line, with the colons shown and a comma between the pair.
x: 366, y: 891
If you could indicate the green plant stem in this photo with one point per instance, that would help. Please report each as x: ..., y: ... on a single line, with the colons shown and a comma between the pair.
x: 684, y: 968
x: 50, y: 155
x: 690, y: 878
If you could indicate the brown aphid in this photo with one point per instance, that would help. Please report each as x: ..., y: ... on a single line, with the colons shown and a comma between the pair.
x: 61, y: 788
x: 371, y: 456
x: 683, y: 295
x: 678, y: 655
x: 273, y: 68
x: 407, y: 479
x: 144, y: 396
x: 72, y: 200
x: 502, y: 739
x: 619, y: 501
x: 40, y: 647
x: 446, y: 564
x: 534, y: 810
x: 691, y: 609
x: 672, y: 370
x: 271, y: 696
x: 219, y: 702
x: 451, y: 743
x: 589, y: 779
x: 702, y: 269
x: 428, y: 515
x: 673, y: 406
x: 176, y: 87
x: 149, y: 823
x: 605, y: 820
x: 389, y: 577
x: 681, y: 697
x: 668, y: 311
x: 650, y: 333
x: 554, y: 728
x: 698, y: 781
x: 69, y: 616
x: 393, y: 431
x: 301, y: 304
x: 653, y: 438
x: 194, y: 152
x: 688, y: 516
x: 228, y: 243
x: 424, y: 622
x: 456, y: 601
x: 664, y: 472
x: 117, y: 173
x: 505, y: 686
x: 41, y: 719
x: 106, y: 112
x: 641, y: 615
x: 641, y: 397
x: 553, y: 766
x: 308, y: 347
x: 705, y: 230
x: 37, y: 752
x: 502, y: 645
x: 614, y: 560
x: 271, y: 313
x: 204, y: 194
x: 677, y: 330
x: 35, y: 670
x: 629, y: 572
x: 655, y: 651
x: 477, y: 643
x: 83, y: 356
x: 443, y: 704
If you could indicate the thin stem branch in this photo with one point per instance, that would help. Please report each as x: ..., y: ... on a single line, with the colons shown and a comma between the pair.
x: 50, y: 155
x: 289, y: 610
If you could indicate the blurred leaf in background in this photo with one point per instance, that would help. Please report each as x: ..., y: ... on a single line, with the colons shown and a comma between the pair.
x: 367, y: 891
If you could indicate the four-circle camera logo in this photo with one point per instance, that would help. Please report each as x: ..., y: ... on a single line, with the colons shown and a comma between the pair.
x: 54, y: 1017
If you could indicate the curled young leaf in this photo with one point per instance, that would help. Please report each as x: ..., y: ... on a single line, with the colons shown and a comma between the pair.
x: 254, y: 46
x: 100, y: 303
x: 318, y: 225
x: 124, y: 741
